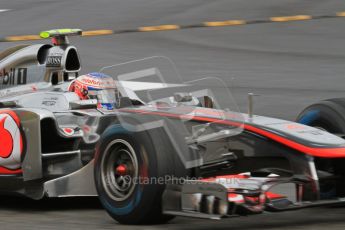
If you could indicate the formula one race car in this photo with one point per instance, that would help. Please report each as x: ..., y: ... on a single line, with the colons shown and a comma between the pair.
x: 149, y: 145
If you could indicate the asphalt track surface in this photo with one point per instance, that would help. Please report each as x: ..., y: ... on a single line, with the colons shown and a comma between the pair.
x: 291, y: 65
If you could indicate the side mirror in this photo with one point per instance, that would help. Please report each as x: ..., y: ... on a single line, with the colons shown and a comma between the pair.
x: 206, y: 102
x: 8, y: 104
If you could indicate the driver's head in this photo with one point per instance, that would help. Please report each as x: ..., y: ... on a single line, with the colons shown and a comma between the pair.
x: 96, y: 86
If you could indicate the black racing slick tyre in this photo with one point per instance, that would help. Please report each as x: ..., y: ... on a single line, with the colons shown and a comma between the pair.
x: 128, y: 167
x: 328, y: 115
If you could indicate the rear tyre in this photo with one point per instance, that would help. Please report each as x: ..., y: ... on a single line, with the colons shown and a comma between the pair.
x: 127, y: 168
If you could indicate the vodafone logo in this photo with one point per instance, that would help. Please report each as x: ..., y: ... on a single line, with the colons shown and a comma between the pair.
x: 6, y: 138
x: 11, y: 143
x: 68, y: 131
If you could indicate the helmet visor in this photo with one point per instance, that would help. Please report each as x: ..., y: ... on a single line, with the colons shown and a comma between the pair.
x: 106, y: 96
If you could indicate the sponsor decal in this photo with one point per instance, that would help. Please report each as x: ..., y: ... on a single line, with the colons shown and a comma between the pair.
x: 48, y: 103
x: 3, y: 72
x: 11, y: 143
x: 91, y: 81
x: 96, y: 81
x: 14, y: 76
x: 68, y: 131
x: 53, y: 61
x: 295, y: 126
x: 6, y: 139
x: 86, y: 129
x: 312, y: 132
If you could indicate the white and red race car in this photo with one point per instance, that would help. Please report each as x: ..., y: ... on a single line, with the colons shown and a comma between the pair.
x: 168, y: 148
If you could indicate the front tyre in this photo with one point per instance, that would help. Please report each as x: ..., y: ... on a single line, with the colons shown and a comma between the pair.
x: 127, y: 168
x: 328, y: 115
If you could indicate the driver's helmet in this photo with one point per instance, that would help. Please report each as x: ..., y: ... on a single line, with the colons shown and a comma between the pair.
x: 96, y: 86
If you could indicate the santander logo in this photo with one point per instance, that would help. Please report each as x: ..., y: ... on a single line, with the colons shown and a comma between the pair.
x: 11, y: 143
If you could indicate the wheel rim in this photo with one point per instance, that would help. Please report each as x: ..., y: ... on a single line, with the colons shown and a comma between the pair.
x: 119, y: 169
